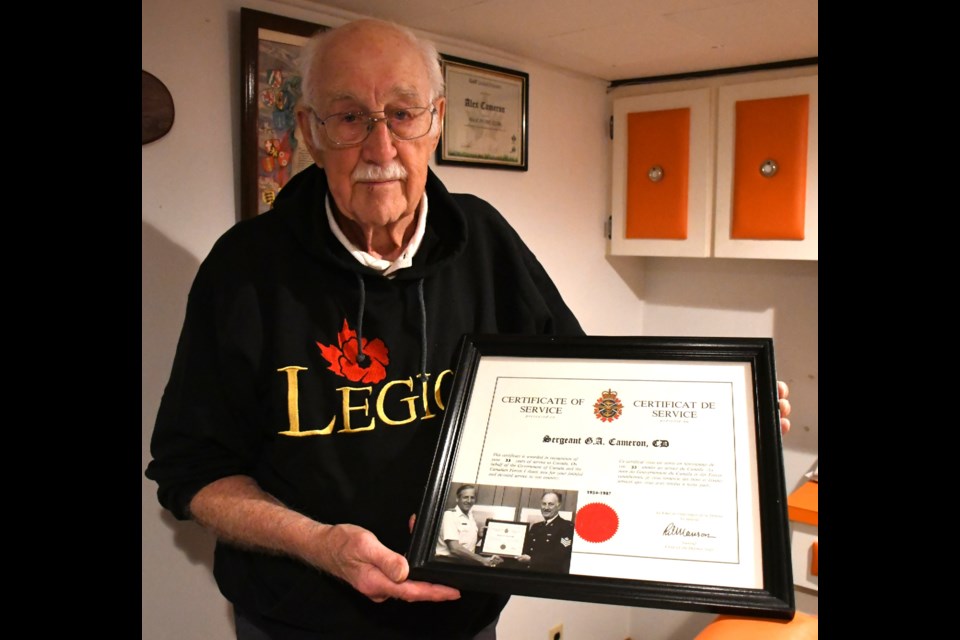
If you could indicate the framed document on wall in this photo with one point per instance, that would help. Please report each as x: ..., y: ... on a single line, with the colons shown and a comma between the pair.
x: 672, y: 446
x: 485, y: 124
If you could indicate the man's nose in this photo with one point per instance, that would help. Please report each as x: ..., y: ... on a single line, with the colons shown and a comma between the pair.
x: 379, y: 141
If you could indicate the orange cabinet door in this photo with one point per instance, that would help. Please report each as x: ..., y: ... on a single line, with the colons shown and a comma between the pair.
x: 662, y: 170
x: 767, y: 170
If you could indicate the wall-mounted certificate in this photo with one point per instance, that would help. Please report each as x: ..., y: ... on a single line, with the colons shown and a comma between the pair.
x: 485, y: 123
x: 664, y: 452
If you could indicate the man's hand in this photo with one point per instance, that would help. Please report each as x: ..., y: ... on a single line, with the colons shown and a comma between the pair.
x: 237, y: 510
x: 493, y: 561
x: 354, y: 555
x: 783, y: 391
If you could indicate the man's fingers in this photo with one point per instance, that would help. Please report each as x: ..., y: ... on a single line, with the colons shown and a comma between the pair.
x: 416, y: 591
x: 784, y: 426
x: 783, y: 390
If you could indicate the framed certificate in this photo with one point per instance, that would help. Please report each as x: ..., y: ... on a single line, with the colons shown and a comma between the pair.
x: 504, y: 538
x: 485, y: 123
x: 664, y: 452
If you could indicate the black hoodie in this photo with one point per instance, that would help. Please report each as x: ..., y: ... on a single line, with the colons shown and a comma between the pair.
x: 268, y: 381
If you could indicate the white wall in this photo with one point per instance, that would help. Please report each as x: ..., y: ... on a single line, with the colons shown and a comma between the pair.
x: 190, y: 196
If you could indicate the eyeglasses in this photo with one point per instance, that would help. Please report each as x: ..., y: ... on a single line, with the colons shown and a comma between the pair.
x: 407, y: 123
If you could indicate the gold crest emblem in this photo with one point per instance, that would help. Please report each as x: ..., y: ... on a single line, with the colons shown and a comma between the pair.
x: 608, y: 407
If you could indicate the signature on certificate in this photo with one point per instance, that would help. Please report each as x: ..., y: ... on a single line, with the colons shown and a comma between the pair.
x: 673, y: 530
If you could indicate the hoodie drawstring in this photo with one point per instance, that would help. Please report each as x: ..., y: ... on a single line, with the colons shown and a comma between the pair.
x: 362, y: 357
x: 423, y: 331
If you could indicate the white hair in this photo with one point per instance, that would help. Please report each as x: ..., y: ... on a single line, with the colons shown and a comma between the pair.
x: 311, y: 56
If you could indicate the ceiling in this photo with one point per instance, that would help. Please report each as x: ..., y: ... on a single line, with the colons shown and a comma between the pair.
x: 615, y: 39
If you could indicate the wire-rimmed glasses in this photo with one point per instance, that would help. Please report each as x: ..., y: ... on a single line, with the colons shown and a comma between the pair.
x: 404, y: 123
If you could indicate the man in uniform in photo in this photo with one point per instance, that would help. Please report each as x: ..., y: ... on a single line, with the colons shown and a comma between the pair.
x: 459, y: 531
x: 549, y: 543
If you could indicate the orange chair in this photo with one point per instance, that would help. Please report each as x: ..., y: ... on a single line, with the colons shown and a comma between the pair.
x: 803, y: 627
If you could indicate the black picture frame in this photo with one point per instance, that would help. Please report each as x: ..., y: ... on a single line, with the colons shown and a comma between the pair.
x: 267, y: 106
x: 487, y: 547
x: 731, y: 382
x: 486, y: 122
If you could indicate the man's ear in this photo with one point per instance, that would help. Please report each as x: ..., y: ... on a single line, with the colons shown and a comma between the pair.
x: 304, y: 124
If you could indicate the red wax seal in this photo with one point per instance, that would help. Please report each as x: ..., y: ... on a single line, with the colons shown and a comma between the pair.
x: 596, y: 522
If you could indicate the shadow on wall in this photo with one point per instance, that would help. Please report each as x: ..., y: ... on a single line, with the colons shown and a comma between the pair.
x: 712, y: 296
x: 169, y: 587
x: 631, y: 271
x: 720, y: 296
x: 195, y: 542
x: 166, y: 273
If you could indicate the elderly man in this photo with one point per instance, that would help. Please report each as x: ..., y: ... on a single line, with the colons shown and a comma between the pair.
x: 304, y: 405
x: 308, y: 387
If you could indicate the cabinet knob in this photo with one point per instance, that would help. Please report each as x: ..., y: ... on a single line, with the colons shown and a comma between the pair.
x: 769, y: 168
x: 655, y: 173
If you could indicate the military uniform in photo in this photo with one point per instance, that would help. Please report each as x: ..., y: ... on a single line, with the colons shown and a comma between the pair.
x: 550, y: 545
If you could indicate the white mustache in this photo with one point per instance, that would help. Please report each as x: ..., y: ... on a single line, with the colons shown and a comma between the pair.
x: 377, y: 173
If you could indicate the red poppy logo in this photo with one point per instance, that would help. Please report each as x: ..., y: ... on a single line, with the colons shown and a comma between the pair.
x: 343, y: 357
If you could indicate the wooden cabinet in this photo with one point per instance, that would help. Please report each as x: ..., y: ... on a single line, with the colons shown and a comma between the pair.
x: 726, y: 168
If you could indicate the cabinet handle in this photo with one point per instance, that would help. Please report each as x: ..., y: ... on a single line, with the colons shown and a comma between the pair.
x: 655, y: 173
x: 769, y: 168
